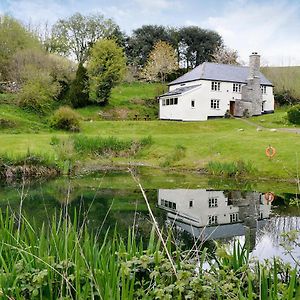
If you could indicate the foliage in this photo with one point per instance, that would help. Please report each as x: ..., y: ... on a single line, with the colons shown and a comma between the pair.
x: 106, y: 67
x: 13, y: 37
x: 162, y: 61
x: 197, y: 45
x: 109, y: 146
x: 293, y: 114
x: 63, y: 260
x: 285, y: 97
x: 37, y: 95
x: 224, y: 55
x: 193, y: 45
x: 286, y: 81
x: 77, y: 34
x: 231, y: 169
x: 79, y: 91
x: 65, y: 118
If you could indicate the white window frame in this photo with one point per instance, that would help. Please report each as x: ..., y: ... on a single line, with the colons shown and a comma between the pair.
x: 236, y: 88
x: 163, y: 102
x: 215, y: 85
x: 215, y: 103
x: 175, y: 101
x: 234, y: 217
x: 212, y: 202
x: 192, y: 103
x: 212, y: 220
x: 263, y: 89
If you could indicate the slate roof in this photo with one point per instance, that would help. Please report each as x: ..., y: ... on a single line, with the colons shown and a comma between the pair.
x: 219, y: 72
x: 180, y: 90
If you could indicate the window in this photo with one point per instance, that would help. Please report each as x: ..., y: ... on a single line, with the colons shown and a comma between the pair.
x: 175, y: 101
x: 191, y: 203
x: 263, y: 89
x: 168, y: 204
x: 171, y: 101
x: 163, y: 102
x: 236, y: 88
x: 212, y: 202
x: 215, y: 86
x: 167, y: 101
x: 212, y: 220
x: 233, y: 218
x: 193, y: 103
x: 214, y: 103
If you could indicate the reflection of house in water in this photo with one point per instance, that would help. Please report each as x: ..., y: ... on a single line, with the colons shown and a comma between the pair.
x: 215, y: 214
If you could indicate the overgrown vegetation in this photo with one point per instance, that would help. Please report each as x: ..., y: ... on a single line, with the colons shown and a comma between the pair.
x: 65, y: 118
x: 231, y: 169
x: 65, y: 260
x: 293, y: 114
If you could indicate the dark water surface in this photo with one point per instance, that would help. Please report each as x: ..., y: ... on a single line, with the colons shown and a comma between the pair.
x: 196, y: 207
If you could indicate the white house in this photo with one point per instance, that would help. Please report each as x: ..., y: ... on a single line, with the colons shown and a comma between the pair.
x: 214, y: 214
x: 210, y: 90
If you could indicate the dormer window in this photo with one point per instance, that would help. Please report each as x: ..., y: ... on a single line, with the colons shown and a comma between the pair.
x: 215, y: 85
x: 236, y: 87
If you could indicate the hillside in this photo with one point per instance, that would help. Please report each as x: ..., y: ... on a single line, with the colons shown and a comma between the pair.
x: 284, y: 79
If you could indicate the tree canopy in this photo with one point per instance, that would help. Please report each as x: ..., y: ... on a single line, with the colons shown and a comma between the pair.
x: 162, y: 61
x: 77, y: 34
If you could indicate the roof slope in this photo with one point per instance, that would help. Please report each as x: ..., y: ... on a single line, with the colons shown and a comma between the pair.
x: 219, y: 72
x: 181, y: 90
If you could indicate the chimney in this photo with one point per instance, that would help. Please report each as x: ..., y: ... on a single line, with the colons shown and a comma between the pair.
x: 254, y: 65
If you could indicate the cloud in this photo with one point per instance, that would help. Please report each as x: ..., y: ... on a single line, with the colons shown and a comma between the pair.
x: 269, y: 28
x: 158, y: 4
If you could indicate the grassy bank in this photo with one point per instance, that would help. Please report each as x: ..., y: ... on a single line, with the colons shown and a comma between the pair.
x: 66, y: 261
x: 178, y: 145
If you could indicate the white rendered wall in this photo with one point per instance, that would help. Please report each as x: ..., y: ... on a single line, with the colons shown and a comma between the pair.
x: 202, y: 97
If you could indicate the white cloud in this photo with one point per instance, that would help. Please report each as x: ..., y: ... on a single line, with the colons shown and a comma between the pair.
x: 269, y: 28
x: 157, y: 4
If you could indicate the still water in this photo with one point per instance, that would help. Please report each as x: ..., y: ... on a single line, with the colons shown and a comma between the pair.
x: 196, y: 207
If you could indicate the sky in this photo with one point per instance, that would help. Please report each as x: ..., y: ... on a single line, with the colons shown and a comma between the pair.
x: 269, y: 27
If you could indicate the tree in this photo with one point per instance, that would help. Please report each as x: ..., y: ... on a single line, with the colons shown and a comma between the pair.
x: 224, y: 55
x: 162, y: 61
x: 13, y: 37
x: 77, y: 34
x: 142, y: 41
x: 106, y: 67
x: 197, y: 45
x: 79, y: 92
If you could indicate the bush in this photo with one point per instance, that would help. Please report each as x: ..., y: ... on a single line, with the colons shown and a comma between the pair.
x: 285, y: 97
x: 293, y: 114
x: 65, y: 118
x: 37, y: 95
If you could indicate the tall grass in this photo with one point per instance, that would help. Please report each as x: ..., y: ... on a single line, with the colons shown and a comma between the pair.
x: 231, y: 169
x: 63, y: 260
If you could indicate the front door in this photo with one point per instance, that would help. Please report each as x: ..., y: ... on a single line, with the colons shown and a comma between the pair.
x: 231, y: 108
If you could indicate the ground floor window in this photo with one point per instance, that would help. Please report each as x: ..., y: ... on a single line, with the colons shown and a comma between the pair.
x: 212, y: 220
x: 169, y: 101
x: 193, y: 103
x: 214, y: 103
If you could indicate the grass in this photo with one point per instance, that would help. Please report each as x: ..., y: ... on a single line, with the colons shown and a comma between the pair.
x: 214, y: 140
x: 128, y: 100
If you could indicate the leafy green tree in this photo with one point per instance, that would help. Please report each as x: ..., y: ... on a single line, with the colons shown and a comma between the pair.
x: 79, y: 91
x: 106, y: 67
x: 197, y: 45
x: 76, y: 35
x: 162, y: 61
x: 142, y: 41
x: 13, y: 37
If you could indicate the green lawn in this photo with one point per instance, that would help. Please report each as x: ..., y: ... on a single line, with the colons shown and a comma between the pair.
x: 214, y: 140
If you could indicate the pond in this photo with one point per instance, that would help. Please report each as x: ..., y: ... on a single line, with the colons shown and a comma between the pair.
x: 197, y: 208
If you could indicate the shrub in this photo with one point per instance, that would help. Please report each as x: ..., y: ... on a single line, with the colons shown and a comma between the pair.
x: 285, y: 97
x: 37, y: 95
x: 293, y: 114
x: 65, y: 118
